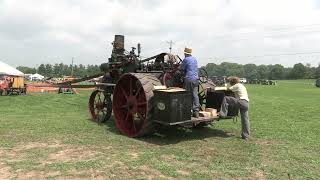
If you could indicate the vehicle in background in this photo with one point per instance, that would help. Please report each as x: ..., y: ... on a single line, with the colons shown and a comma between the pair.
x: 243, y: 80
x: 219, y: 80
x: 262, y: 81
x: 12, y: 85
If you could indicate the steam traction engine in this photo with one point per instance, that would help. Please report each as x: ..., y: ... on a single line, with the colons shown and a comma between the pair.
x: 128, y: 86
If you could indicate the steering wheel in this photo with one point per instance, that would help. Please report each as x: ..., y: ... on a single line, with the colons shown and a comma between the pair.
x: 173, y: 78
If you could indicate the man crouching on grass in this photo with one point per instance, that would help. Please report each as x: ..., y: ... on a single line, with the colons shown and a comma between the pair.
x: 241, y: 100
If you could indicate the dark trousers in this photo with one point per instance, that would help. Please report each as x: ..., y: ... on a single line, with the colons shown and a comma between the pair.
x: 244, y: 108
x: 192, y: 86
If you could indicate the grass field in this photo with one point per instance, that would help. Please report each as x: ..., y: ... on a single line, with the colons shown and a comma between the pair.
x: 51, y: 136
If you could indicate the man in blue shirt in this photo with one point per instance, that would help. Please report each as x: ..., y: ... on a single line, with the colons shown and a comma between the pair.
x: 189, y: 66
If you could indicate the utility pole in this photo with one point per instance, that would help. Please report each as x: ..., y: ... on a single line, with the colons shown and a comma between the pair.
x: 37, y: 67
x: 170, y: 43
x: 72, y: 67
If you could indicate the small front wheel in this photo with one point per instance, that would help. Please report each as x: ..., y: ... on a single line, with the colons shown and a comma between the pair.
x: 100, y: 106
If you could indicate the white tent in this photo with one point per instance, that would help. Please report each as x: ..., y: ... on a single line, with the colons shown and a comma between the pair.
x: 36, y: 77
x: 5, y: 69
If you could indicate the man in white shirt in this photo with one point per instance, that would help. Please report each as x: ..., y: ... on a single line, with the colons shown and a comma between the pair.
x: 241, y: 100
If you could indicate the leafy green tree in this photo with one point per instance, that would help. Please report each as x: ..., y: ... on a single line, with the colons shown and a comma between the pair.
x: 263, y: 72
x: 231, y: 69
x: 42, y: 69
x: 210, y: 68
x: 56, y: 70
x: 82, y: 70
x: 49, y: 70
x: 287, y: 73
x: 250, y: 71
x: 317, y: 72
x: 66, y: 70
x: 27, y: 70
x: 276, y: 71
x: 310, y: 71
x: 93, y: 69
x: 299, y: 71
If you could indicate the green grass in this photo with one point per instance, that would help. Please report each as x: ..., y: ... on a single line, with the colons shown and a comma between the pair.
x: 51, y: 136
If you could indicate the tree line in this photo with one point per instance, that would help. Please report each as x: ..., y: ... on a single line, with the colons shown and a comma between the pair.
x: 60, y: 70
x: 272, y: 72
x: 250, y: 71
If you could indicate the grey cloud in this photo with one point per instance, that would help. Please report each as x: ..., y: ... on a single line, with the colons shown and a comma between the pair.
x: 30, y: 40
x: 22, y: 28
x: 146, y: 3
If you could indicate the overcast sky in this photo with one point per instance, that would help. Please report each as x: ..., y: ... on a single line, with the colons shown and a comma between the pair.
x: 243, y: 31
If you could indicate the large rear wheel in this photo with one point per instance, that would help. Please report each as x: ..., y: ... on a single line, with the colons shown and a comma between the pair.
x: 133, y: 103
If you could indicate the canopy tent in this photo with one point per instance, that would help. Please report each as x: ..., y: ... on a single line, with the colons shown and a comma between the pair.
x: 36, y: 76
x: 5, y: 69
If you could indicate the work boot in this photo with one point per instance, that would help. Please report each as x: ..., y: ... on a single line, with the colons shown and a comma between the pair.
x: 221, y: 115
x: 244, y: 138
x: 195, y: 114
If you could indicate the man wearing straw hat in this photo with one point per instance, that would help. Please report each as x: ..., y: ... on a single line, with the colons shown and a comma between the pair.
x: 189, y: 66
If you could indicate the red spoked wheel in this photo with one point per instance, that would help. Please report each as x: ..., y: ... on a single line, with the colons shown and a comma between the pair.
x: 100, y: 106
x: 132, y: 103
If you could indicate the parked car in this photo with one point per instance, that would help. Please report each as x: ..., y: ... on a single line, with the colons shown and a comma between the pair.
x: 243, y: 80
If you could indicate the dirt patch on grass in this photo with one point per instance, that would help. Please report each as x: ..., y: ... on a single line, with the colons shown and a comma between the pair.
x: 259, y: 175
x: 53, y: 174
x: 20, y: 151
x: 33, y: 145
x: 8, y: 154
x: 168, y: 157
x: 183, y: 172
x: 265, y: 142
x: 33, y: 174
x: 30, y: 175
x: 5, y: 172
x: 2, y: 153
x: 66, y: 154
x: 88, y: 174
x: 134, y: 155
x: 38, y: 160
x: 151, y: 173
x: 172, y: 160
x: 71, y: 155
x: 43, y: 154
x: 205, y: 152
